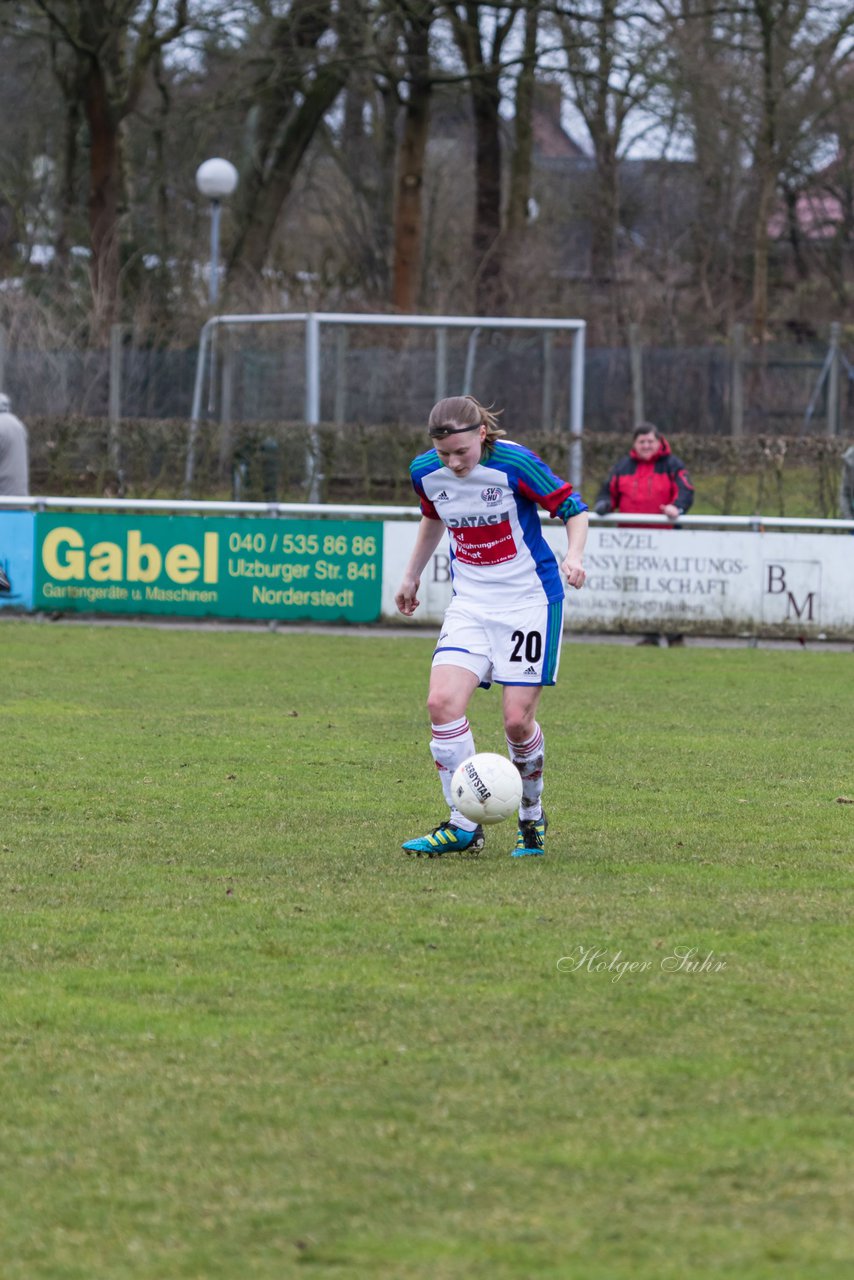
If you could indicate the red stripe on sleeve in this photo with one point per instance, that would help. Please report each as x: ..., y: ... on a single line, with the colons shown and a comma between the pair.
x: 550, y: 501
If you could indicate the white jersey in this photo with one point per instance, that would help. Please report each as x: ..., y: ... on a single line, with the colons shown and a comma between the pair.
x: 499, y: 556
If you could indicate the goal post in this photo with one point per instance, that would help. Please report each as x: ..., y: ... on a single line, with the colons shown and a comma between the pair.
x: 312, y: 324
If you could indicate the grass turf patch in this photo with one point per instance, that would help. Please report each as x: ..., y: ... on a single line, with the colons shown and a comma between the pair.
x: 243, y: 1034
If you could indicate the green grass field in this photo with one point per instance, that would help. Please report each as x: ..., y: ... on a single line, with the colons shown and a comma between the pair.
x: 244, y: 1036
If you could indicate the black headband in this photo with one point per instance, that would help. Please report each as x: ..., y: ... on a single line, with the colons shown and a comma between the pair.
x: 440, y: 433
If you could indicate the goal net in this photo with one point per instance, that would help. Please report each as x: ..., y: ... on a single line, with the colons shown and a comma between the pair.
x: 349, y: 368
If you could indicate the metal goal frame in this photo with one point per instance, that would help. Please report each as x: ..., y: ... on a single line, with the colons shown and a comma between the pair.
x: 313, y: 321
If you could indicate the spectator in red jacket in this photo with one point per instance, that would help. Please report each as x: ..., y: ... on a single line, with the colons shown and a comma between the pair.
x: 649, y: 480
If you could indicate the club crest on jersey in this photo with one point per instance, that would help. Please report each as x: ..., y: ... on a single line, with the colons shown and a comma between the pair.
x: 491, y: 495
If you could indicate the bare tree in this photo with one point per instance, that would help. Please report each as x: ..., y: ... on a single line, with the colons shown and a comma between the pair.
x: 481, y: 33
x: 112, y: 44
x: 710, y: 81
x: 520, y: 167
x: 833, y: 184
x: 812, y: 45
x: 751, y: 79
x: 298, y: 79
x: 364, y: 146
x: 416, y: 19
x: 772, y: 29
x: 612, y: 52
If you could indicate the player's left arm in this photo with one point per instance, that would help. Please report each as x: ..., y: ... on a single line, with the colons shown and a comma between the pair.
x: 572, y: 564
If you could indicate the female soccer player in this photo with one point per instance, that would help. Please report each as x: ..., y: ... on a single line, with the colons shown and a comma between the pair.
x: 505, y: 620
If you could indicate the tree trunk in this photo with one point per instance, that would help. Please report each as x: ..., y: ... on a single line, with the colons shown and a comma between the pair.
x: 106, y: 200
x: 489, y: 287
x: 383, y: 200
x: 765, y: 172
x: 520, y: 168
x: 793, y: 232
x: 67, y: 195
x: 605, y: 214
x: 409, y: 213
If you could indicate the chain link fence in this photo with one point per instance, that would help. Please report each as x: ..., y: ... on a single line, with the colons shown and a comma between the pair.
x: 757, y: 436
x: 388, y: 378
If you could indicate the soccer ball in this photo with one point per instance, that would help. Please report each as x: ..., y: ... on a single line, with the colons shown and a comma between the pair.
x: 486, y: 788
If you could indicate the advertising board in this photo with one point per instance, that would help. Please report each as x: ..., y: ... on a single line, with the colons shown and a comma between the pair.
x: 222, y: 567
x: 16, y: 558
x: 689, y: 580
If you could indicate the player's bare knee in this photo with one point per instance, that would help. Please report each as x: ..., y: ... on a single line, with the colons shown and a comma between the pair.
x: 518, y: 728
x: 442, y: 708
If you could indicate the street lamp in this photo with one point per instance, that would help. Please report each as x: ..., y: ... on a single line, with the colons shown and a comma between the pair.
x: 216, y: 179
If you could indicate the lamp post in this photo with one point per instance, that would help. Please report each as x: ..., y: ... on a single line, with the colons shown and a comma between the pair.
x: 216, y: 180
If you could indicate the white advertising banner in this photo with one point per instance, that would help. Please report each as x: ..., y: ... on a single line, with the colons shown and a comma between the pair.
x: 659, y: 579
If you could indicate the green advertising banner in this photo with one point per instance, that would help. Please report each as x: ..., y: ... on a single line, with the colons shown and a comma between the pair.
x: 227, y: 568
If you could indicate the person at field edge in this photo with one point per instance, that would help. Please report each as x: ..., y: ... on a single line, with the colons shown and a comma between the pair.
x: 14, y: 463
x: 846, y: 486
x: 648, y: 480
x: 505, y: 619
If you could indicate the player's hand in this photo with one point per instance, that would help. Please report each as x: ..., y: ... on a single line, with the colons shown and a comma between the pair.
x: 406, y: 598
x: 574, y: 573
x: 669, y: 510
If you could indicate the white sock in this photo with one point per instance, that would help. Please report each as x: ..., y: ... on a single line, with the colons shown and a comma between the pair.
x: 529, y: 758
x: 450, y: 745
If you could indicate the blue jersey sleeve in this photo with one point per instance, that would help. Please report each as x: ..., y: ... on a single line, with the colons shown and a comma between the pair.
x: 534, y: 479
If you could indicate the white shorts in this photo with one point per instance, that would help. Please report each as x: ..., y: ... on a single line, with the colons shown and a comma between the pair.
x: 523, y: 648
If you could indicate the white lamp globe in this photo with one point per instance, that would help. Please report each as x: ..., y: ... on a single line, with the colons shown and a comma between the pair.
x: 216, y: 179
